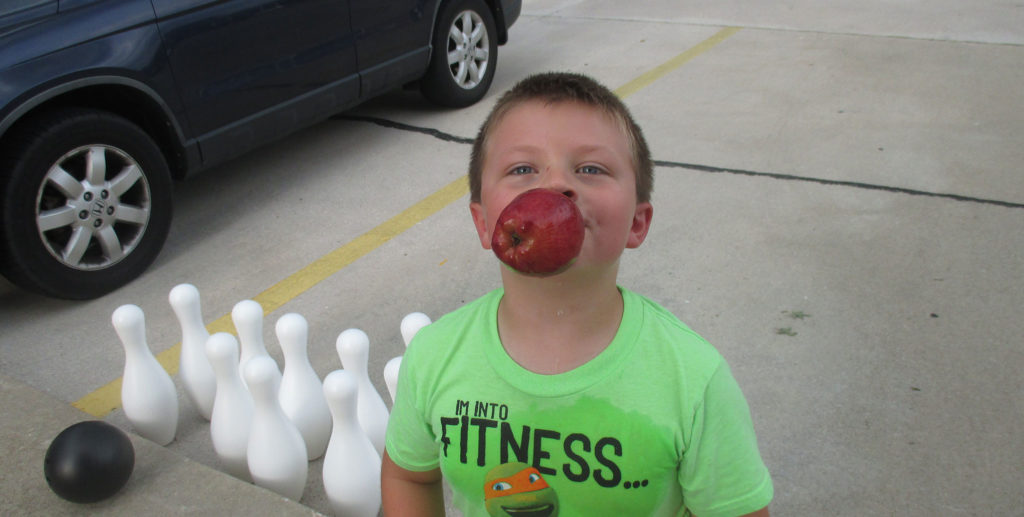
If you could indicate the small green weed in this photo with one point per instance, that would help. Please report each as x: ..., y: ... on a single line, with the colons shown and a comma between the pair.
x: 797, y: 315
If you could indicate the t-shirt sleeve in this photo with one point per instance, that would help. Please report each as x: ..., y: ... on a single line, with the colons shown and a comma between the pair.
x: 722, y: 473
x: 410, y: 439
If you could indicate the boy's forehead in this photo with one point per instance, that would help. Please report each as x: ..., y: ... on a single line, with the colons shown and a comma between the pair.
x: 549, y: 109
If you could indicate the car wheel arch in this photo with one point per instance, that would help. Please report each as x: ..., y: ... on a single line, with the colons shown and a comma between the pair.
x: 123, y: 96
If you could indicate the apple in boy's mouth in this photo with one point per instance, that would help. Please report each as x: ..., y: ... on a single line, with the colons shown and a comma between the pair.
x: 539, y: 233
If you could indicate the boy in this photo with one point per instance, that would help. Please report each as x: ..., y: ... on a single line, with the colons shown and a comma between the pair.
x: 566, y: 394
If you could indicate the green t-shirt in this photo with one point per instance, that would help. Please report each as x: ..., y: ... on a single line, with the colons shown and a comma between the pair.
x: 654, y: 425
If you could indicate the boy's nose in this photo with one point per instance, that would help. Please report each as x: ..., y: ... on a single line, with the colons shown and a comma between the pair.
x: 560, y: 183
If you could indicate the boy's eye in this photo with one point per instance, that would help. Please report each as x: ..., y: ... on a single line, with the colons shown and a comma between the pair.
x: 521, y: 169
x: 590, y: 169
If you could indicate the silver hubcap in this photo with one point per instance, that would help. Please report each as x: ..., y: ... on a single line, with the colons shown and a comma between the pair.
x: 468, y: 54
x: 93, y: 207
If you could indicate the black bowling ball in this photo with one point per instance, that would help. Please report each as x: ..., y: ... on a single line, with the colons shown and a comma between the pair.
x: 89, y: 461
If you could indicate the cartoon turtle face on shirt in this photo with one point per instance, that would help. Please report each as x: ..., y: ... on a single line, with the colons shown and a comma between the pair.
x: 518, y: 490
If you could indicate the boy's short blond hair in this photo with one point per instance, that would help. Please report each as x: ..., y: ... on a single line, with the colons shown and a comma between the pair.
x: 555, y: 87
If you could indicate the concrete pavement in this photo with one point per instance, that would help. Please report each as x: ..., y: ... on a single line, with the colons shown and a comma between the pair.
x: 838, y: 208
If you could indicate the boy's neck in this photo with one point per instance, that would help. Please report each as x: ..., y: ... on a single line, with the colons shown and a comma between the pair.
x: 555, y: 324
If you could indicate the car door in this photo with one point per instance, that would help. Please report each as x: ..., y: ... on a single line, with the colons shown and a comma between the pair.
x: 249, y: 71
x: 392, y: 41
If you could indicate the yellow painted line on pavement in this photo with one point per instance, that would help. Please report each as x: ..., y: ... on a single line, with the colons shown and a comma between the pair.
x: 657, y: 72
x: 107, y: 398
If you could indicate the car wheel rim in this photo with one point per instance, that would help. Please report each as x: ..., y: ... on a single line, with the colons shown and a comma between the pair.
x: 468, y: 49
x: 93, y: 207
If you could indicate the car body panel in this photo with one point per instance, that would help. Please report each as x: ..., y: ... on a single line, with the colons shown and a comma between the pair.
x: 392, y: 42
x: 127, y: 55
x: 236, y: 102
x: 211, y: 46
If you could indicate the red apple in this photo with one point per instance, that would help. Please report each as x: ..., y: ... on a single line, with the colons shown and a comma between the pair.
x: 539, y: 233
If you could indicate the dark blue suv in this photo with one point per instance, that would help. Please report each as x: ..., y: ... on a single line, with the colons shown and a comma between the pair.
x: 103, y: 103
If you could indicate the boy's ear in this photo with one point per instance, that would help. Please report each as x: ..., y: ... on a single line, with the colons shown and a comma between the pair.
x: 480, y: 221
x: 641, y: 224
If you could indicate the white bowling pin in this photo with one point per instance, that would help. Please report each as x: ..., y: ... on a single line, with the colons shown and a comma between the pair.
x: 276, y: 452
x: 148, y: 396
x: 354, y: 350
x: 232, y: 407
x: 194, y: 369
x: 391, y: 376
x: 351, y: 464
x: 411, y: 324
x: 247, y: 315
x: 302, y: 393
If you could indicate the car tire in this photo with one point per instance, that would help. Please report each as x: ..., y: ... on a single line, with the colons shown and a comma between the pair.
x: 464, y: 56
x: 86, y: 203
